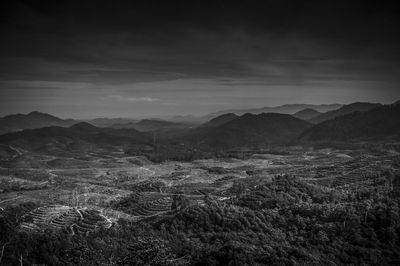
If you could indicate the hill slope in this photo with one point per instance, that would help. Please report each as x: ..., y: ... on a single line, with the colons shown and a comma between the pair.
x: 307, y: 114
x: 344, y: 110
x: 220, y: 120
x: 378, y: 123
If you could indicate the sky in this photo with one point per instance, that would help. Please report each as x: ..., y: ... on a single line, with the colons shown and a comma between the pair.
x: 85, y: 59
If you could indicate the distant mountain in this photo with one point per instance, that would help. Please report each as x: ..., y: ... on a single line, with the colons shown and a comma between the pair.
x: 307, y: 114
x: 123, y: 125
x: 109, y: 122
x: 186, y: 119
x: 149, y: 125
x: 252, y: 131
x: 282, y: 109
x: 344, y: 110
x: 220, y: 120
x: 378, y: 123
x: 17, y: 122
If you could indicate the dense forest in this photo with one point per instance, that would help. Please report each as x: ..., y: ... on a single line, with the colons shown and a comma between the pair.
x: 286, y: 221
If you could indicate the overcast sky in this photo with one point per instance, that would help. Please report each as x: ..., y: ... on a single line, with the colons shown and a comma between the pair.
x: 85, y: 59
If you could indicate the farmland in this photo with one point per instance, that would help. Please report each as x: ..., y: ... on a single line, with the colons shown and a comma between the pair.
x: 99, y: 193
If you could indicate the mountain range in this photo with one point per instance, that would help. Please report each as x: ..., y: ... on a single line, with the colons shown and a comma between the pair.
x: 17, y: 122
x: 150, y: 125
x: 281, y: 109
x: 229, y: 131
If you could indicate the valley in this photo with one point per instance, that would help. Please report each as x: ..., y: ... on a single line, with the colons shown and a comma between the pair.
x: 103, y: 182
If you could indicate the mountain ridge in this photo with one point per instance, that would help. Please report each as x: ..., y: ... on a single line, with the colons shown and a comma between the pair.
x: 381, y: 122
x: 283, y: 109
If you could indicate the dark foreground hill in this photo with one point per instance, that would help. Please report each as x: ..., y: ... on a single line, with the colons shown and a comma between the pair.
x: 344, y: 110
x: 252, y: 131
x: 378, y: 123
x: 17, y: 122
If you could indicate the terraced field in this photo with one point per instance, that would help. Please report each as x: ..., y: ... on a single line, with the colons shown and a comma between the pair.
x: 61, y: 217
x: 153, y: 207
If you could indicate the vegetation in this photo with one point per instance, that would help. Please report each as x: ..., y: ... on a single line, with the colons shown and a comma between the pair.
x: 286, y: 221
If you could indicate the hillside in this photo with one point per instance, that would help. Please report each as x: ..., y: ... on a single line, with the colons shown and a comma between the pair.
x: 253, y: 131
x: 220, y: 120
x: 378, y: 123
x: 17, y: 122
x: 307, y: 114
x: 61, y: 140
x: 344, y: 110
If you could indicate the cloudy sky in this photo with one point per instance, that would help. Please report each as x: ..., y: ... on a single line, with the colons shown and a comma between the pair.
x: 85, y: 59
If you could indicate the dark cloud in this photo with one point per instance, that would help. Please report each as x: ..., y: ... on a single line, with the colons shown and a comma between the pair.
x: 155, y: 49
